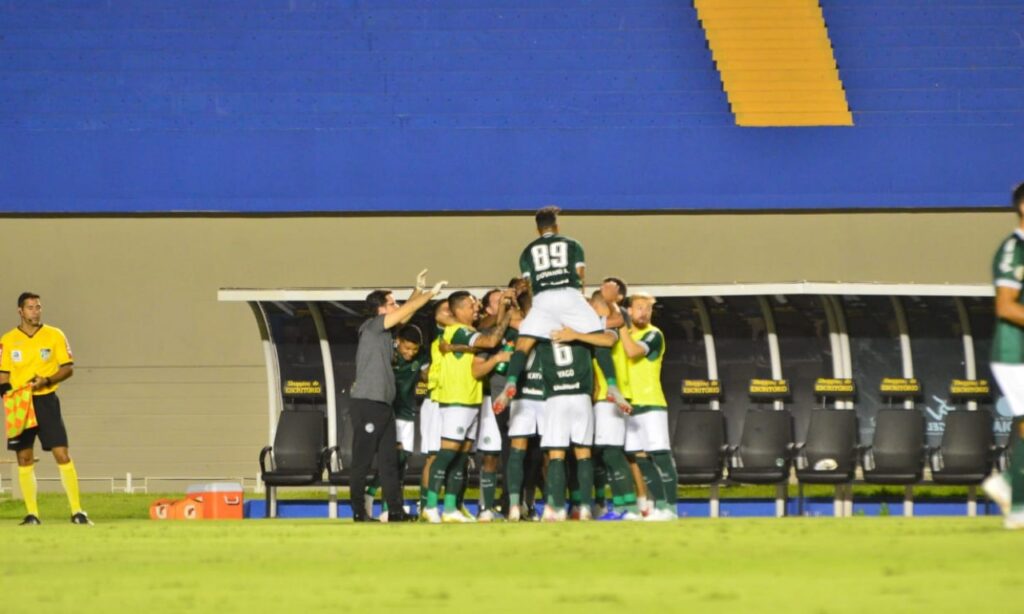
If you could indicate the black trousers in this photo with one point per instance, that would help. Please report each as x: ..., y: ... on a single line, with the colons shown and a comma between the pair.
x: 373, y: 435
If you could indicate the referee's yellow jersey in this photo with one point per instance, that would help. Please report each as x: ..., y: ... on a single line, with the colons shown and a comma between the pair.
x: 42, y: 354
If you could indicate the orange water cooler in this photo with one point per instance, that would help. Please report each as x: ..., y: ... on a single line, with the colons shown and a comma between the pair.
x: 220, y: 500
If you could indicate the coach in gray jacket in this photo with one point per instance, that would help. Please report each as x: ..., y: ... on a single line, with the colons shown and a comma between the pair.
x: 373, y: 420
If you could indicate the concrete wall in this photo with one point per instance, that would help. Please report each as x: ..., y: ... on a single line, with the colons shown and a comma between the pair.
x: 170, y: 382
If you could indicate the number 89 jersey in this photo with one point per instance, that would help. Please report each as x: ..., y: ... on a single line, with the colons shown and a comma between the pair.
x: 551, y: 262
x: 567, y: 368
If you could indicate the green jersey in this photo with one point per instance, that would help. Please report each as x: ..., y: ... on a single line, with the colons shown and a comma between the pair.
x: 567, y: 368
x: 552, y: 262
x: 407, y: 375
x: 531, y: 387
x: 497, y: 379
x: 1008, y: 272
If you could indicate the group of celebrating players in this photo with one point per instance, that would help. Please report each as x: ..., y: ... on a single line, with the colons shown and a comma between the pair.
x: 573, y: 374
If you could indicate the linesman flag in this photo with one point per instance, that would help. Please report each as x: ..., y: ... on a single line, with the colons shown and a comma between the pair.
x: 19, y: 411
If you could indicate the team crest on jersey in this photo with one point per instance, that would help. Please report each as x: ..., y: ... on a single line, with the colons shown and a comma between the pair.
x: 45, y: 353
x: 16, y: 355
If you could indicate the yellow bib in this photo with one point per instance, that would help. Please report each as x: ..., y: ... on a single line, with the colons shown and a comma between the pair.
x: 621, y: 362
x: 645, y: 374
x: 457, y: 384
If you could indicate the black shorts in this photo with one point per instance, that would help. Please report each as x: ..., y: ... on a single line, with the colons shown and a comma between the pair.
x: 50, y: 432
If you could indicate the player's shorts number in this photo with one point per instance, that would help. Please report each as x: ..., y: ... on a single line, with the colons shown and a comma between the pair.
x: 546, y: 256
x: 563, y: 354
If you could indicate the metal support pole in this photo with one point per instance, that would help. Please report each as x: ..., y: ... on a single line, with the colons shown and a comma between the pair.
x: 970, y: 366
x: 329, y: 392
x: 905, y: 353
x: 709, y: 345
x: 274, y: 400
x: 773, y: 343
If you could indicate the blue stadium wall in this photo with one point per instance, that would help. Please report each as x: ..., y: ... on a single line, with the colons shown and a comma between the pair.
x: 280, y: 106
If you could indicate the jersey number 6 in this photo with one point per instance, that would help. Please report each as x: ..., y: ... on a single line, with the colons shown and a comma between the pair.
x: 563, y: 354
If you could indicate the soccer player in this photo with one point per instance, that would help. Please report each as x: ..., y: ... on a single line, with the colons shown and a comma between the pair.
x: 614, y: 292
x: 460, y: 396
x: 647, y: 437
x: 430, y: 417
x: 554, y: 266
x: 610, y: 429
x: 410, y: 368
x: 568, y: 421
x: 493, y: 430
x: 1008, y: 364
x: 525, y: 422
x: 39, y: 356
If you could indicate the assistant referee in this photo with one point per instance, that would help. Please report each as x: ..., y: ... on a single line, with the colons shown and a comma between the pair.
x: 38, y: 355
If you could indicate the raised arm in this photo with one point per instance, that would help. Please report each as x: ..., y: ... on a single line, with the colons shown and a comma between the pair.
x: 1007, y: 307
x: 493, y: 339
x: 409, y: 308
x: 616, y: 317
x: 633, y: 349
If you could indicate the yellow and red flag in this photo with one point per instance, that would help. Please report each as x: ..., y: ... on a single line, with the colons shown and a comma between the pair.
x: 19, y: 412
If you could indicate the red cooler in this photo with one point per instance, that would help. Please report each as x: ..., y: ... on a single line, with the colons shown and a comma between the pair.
x: 221, y: 500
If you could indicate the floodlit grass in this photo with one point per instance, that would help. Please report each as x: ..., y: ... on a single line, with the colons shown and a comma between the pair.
x: 699, y: 565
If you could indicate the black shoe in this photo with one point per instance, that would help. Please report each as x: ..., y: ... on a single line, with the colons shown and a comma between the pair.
x: 401, y: 516
x: 29, y: 520
x: 363, y: 518
x: 81, y: 518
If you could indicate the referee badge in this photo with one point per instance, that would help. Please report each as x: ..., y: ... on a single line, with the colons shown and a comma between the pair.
x: 45, y: 353
x: 16, y: 355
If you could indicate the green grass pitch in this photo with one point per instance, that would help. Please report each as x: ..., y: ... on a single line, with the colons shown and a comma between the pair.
x: 126, y: 563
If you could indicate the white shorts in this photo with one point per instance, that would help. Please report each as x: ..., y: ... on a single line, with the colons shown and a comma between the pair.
x: 526, y: 418
x: 556, y: 309
x: 609, y: 425
x: 405, y: 433
x: 488, y: 439
x: 568, y: 419
x: 458, y: 422
x: 1011, y: 383
x: 430, y: 427
x: 648, y: 432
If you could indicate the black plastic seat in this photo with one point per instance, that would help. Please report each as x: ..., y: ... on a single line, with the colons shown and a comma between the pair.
x: 765, y: 452
x: 896, y: 456
x: 831, y: 439
x: 968, y: 449
x: 698, y: 445
x: 295, y: 457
